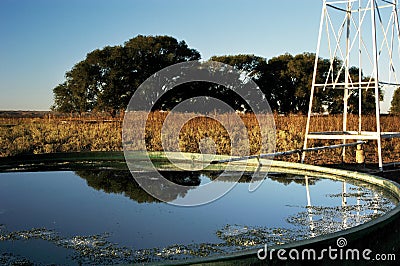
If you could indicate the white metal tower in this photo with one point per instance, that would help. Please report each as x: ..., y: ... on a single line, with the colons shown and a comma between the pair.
x: 364, y: 34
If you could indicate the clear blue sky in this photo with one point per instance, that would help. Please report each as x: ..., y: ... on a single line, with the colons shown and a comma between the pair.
x: 42, y: 39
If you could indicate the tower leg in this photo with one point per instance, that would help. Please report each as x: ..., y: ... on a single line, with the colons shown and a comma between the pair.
x: 303, y: 156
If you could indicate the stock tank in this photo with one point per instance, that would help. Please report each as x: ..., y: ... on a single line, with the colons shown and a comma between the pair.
x: 86, y: 208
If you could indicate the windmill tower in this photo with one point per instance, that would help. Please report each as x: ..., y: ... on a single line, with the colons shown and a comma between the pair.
x: 363, y: 35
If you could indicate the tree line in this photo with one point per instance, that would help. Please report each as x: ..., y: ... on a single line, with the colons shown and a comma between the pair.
x: 107, y: 78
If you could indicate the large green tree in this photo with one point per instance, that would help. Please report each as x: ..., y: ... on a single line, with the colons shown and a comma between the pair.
x: 287, y: 81
x: 248, y: 65
x: 107, y: 78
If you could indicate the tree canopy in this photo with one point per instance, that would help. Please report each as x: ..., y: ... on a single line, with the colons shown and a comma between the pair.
x: 395, y: 104
x: 107, y: 78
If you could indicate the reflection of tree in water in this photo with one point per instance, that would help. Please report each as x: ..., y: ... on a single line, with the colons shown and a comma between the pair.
x: 247, y: 177
x: 122, y: 182
x: 287, y: 179
x: 230, y: 176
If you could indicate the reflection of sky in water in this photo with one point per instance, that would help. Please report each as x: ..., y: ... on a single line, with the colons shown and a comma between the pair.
x: 63, y: 202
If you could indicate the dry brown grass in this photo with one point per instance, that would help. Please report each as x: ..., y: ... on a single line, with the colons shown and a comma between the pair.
x: 38, y: 135
x: 44, y: 135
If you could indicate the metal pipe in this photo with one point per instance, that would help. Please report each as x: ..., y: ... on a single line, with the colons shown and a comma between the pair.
x: 269, y: 155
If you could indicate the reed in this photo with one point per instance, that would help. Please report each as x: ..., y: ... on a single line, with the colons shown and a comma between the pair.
x: 47, y: 135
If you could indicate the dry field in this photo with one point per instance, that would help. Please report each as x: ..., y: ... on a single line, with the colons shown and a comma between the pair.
x: 66, y: 134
